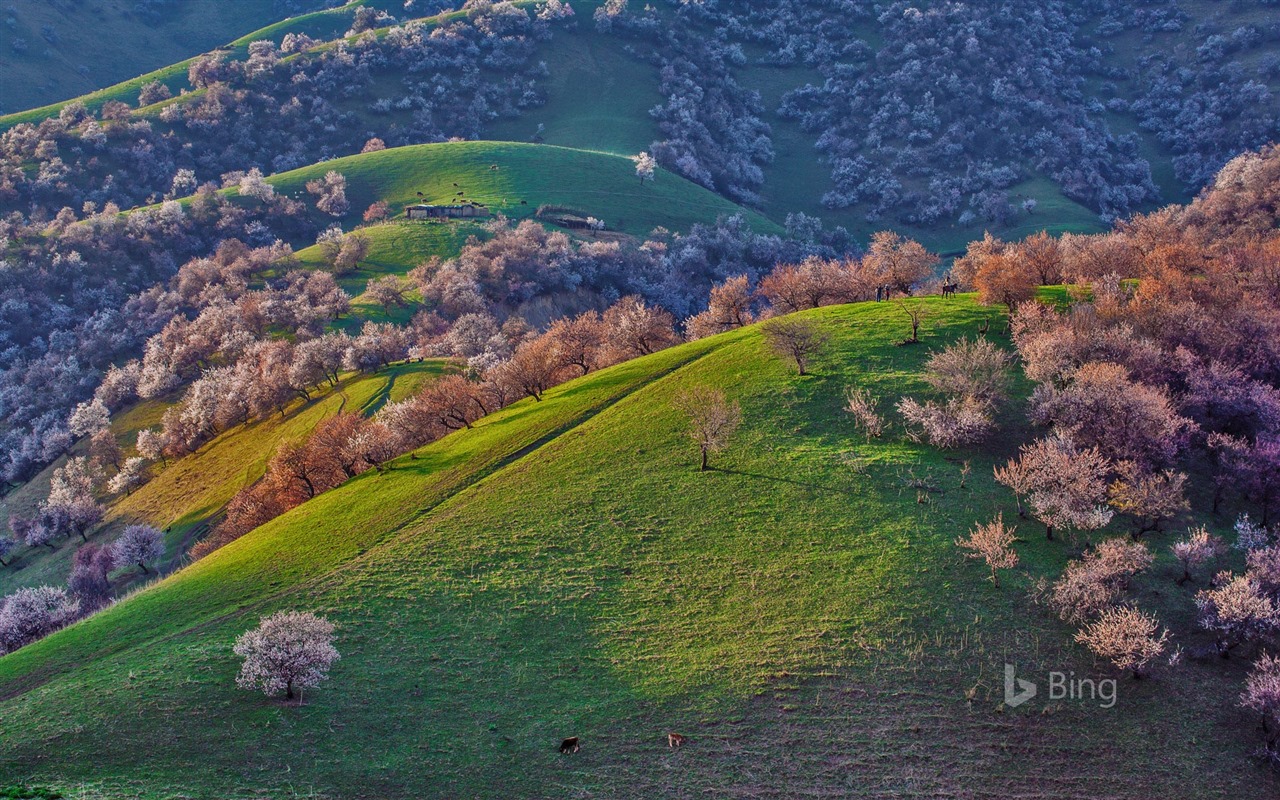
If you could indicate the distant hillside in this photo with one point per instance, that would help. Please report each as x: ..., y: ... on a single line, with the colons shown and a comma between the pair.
x: 54, y: 50
x: 516, y: 180
x: 188, y: 494
x: 1102, y: 111
x: 565, y: 570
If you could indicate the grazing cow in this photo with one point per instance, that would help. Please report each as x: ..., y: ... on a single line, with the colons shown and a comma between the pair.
x: 569, y: 745
x: 674, y: 740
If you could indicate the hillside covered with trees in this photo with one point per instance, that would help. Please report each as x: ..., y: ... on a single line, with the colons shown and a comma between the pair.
x: 731, y: 396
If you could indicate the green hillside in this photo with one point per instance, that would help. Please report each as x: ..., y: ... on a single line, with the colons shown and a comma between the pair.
x: 515, y: 179
x: 565, y: 570
x: 188, y: 494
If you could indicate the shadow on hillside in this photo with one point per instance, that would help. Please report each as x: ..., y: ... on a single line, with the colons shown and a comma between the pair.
x: 777, y: 479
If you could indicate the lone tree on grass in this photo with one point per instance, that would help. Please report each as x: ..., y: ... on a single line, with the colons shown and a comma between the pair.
x: 1126, y: 637
x: 646, y: 166
x: 288, y: 650
x: 796, y: 340
x: 992, y: 543
x: 712, y: 419
x: 139, y: 544
x: 918, y: 312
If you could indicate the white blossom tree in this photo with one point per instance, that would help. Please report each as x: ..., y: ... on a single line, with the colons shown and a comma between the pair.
x: 253, y: 185
x: 28, y: 614
x: 288, y: 650
x: 1262, y: 691
x: 646, y: 167
x: 139, y: 544
x: 89, y: 418
x: 1199, y: 547
x: 132, y: 475
x: 1236, y: 611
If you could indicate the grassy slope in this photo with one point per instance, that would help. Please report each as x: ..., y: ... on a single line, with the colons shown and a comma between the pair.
x: 187, y: 494
x: 598, y: 183
x: 117, y: 46
x: 564, y: 570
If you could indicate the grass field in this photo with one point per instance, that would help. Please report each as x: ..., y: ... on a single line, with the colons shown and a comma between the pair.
x: 514, y: 179
x: 565, y: 570
x: 188, y: 494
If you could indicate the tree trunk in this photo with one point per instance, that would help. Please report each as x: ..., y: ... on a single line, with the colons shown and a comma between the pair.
x: 1048, y: 532
x: 704, y: 460
x: 288, y: 691
x: 144, y: 566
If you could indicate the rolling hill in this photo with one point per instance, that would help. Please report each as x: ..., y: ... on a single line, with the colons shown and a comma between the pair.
x: 514, y: 179
x: 564, y: 570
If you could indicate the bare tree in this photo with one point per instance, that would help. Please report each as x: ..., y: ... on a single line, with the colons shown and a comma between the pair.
x: 1126, y: 637
x: 796, y: 340
x: 712, y: 419
x: 288, y: 650
x: 917, y: 312
x: 862, y: 406
x: 992, y: 543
